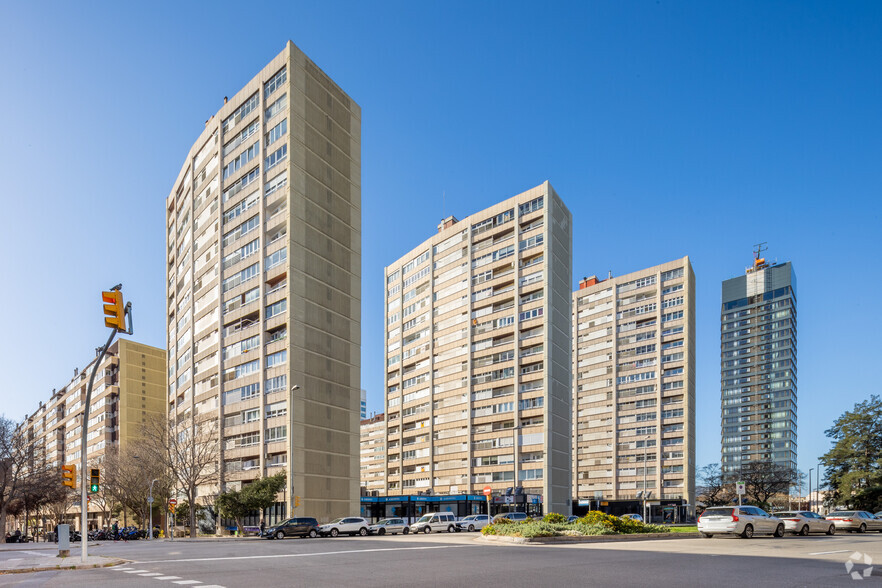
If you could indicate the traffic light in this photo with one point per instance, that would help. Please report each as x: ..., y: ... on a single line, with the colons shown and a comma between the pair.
x: 94, y: 480
x: 69, y: 476
x: 296, y: 501
x: 115, y: 310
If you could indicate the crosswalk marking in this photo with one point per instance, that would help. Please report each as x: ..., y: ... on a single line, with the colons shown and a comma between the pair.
x: 119, y: 569
x: 136, y: 571
x: 168, y: 578
x: 187, y: 582
x: 149, y: 574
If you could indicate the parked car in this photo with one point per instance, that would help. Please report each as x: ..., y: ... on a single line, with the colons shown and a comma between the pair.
x: 435, y: 521
x: 349, y: 525
x: 473, y: 523
x: 859, y: 521
x: 390, y: 526
x: 512, y: 516
x: 738, y: 520
x: 803, y: 522
x: 633, y: 516
x: 296, y: 527
x: 572, y: 518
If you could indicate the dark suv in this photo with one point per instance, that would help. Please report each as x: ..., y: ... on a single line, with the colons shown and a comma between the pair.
x: 302, y: 527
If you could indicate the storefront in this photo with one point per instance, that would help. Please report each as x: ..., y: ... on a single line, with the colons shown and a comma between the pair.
x: 657, y: 511
x: 412, y: 507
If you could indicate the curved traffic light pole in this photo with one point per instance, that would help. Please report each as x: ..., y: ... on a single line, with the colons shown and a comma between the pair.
x: 84, y: 510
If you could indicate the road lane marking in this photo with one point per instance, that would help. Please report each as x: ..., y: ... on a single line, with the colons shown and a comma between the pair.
x: 185, y: 582
x: 168, y: 578
x: 136, y: 571
x: 120, y: 569
x: 829, y: 552
x: 297, y: 554
x: 149, y: 574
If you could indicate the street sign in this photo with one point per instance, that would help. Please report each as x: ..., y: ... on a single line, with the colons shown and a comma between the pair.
x: 739, y: 488
x: 488, y: 490
x: 172, y: 501
x: 149, y: 500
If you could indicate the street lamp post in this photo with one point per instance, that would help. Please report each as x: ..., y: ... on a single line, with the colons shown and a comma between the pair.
x: 810, y: 488
x: 150, y: 509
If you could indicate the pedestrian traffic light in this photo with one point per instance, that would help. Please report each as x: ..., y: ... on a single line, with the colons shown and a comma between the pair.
x: 69, y: 475
x: 114, y: 309
x: 94, y: 480
x: 296, y: 501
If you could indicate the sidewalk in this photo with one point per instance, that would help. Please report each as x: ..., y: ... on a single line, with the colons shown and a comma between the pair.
x: 42, y: 560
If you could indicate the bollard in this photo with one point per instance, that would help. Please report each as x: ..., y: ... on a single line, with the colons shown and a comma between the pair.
x: 63, y: 540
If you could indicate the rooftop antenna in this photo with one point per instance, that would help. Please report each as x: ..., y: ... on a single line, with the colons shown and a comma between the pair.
x: 758, y: 260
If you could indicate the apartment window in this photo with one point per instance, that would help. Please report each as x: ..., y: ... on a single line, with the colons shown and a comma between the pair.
x: 277, y: 384
x: 240, y: 254
x: 531, y: 206
x: 236, y: 349
x: 241, y: 112
x: 240, y: 184
x: 276, y: 308
x: 276, y: 433
x: 239, y: 278
x: 676, y: 301
x: 280, y: 181
x: 276, y: 132
x: 237, y: 163
x: 533, y: 241
x: 241, y: 137
x: 672, y: 274
x: 530, y: 403
x: 277, y: 409
x: 240, y: 208
x: 278, y: 358
x: 672, y: 316
x: 275, y: 82
x: 243, y: 229
x: 531, y: 314
x: 276, y: 258
x: 276, y: 107
x: 276, y: 157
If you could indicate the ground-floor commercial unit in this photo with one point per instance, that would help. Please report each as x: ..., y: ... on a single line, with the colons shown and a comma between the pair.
x: 657, y: 511
x: 412, y: 507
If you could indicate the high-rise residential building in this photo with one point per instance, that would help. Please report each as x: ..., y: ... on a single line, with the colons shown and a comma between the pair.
x: 634, y: 392
x: 373, y: 455
x: 758, y: 367
x: 264, y: 287
x: 363, y: 410
x: 129, y: 390
x: 478, y: 326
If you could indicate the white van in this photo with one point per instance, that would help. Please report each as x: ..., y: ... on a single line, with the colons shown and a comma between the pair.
x: 435, y: 521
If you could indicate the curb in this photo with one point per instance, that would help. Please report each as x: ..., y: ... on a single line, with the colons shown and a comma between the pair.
x: 564, y: 539
x: 107, y: 564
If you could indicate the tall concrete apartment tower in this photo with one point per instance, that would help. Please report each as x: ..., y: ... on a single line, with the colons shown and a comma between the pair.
x: 758, y: 367
x: 264, y: 286
x: 634, y: 392
x: 478, y: 326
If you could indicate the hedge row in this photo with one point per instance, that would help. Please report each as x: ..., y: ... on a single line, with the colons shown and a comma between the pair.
x: 553, y: 525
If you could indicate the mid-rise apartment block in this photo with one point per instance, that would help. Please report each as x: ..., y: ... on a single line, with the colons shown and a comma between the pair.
x: 478, y: 326
x: 758, y: 367
x: 264, y: 287
x: 373, y: 455
x: 128, y: 391
x: 634, y: 392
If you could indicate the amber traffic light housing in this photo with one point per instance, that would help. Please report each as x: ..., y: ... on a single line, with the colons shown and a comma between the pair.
x: 69, y: 475
x: 115, y: 310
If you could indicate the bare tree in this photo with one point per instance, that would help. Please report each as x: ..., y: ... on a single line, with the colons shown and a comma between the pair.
x: 765, y: 479
x: 128, y: 476
x: 715, y: 489
x: 189, y: 449
x: 15, y: 454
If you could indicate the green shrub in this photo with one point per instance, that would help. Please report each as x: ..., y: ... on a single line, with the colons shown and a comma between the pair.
x: 554, y: 517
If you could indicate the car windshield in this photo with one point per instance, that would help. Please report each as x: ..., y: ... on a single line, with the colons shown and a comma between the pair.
x: 335, y: 521
x: 425, y: 519
x: 788, y: 514
x: 845, y: 513
x: 718, y: 512
x: 470, y: 518
x: 384, y: 522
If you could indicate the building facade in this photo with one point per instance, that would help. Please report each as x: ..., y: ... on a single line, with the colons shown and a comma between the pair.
x: 363, y: 406
x: 264, y: 287
x: 129, y: 390
x: 758, y: 367
x: 477, y: 337
x: 634, y: 392
x: 373, y: 455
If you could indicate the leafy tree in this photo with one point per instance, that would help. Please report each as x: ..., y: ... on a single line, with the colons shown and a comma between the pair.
x: 257, y: 496
x: 715, y: 489
x: 853, y: 467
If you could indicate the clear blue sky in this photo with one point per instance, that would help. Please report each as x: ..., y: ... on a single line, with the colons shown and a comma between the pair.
x: 668, y: 128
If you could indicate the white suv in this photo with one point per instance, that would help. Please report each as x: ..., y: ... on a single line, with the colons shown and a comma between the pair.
x: 739, y: 520
x: 435, y: 521
x: 349, y: 525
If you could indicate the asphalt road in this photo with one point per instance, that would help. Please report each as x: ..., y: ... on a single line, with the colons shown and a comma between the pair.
x: 458, y: 560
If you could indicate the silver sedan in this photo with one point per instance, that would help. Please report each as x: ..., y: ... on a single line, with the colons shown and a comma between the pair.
x: 803, y: 522
x: 859, y: 521
x: 389, y: 526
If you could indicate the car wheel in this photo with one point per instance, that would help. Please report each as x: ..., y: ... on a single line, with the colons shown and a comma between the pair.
x: 362, y: 532
x: 707, y: 535
x: 334, y: 532
x: 280, y: 534
x: 312, y: 534
x: 381, y: 532
x: 406, y: 530
x: 427, y: 530
x: 779, y: 530
x: 863, y: 528
x: 804, y: 531
x: 831, y: 530
x: 450, y: 529
x: 471, y: 528
x: 747, y: 533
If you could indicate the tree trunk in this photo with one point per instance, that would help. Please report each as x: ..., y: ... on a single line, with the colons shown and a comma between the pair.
x: 191, y: 498
x: 3, y: 523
